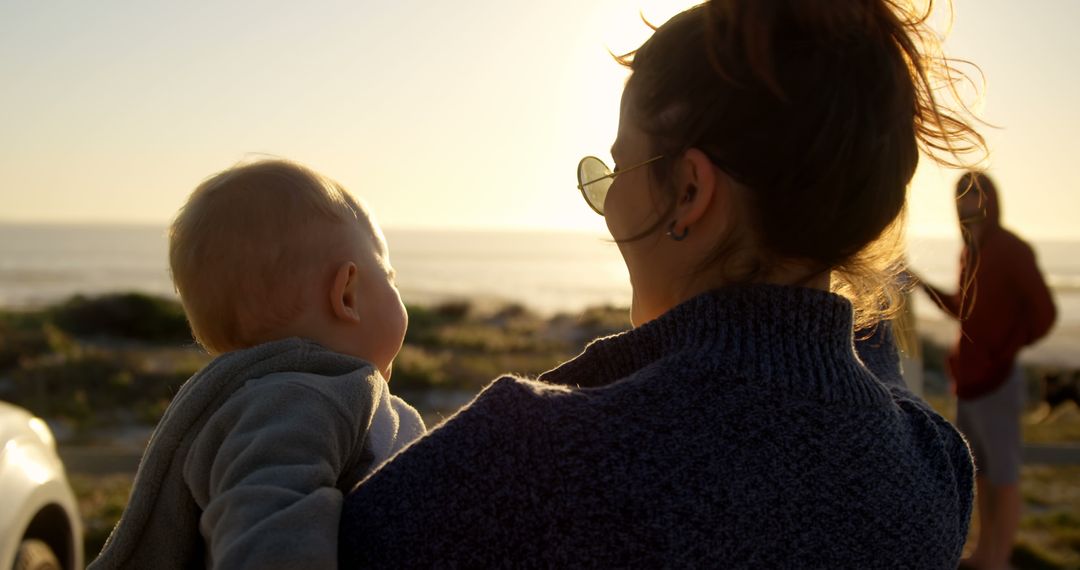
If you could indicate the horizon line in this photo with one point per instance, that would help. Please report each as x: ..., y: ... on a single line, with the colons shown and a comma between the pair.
x: 492, y: 229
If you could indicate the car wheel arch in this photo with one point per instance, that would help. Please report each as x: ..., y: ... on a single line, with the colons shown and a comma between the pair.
x: 52, y: 526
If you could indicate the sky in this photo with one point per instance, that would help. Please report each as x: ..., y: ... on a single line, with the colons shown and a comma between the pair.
x: 465, y: 115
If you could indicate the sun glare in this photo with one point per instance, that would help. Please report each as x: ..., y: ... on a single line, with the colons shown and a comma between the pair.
x: 619, y: 28
x: 625, y: 28
x: 591, y: 115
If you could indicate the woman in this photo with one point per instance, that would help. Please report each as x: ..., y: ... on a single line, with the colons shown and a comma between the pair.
x: 764, y: 148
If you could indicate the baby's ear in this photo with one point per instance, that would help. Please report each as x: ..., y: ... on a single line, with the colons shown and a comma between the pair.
x: 343, y: 301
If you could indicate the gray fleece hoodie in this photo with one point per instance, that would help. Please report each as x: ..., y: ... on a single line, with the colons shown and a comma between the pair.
x: 249, y: 464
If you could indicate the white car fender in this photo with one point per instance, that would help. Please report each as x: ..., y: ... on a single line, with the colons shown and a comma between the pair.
x: 32, y: 478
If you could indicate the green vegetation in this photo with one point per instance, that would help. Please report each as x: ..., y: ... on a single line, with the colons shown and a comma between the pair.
x: 1050, y: 529
x: 130, y: 316
x: 101, y: 502
x: 454, y: 346
x: 91, y: 364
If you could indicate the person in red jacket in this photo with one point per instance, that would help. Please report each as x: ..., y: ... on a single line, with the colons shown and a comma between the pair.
x: 1003, y: 305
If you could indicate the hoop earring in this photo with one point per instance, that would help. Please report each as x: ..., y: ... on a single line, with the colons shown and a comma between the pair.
x: 671, y: 232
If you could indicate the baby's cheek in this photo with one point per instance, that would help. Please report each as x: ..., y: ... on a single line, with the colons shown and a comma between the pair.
x: 392, y: 340
x: 397, y: 324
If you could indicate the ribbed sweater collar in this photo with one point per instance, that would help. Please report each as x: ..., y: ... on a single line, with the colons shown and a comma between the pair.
x: 798, y: 339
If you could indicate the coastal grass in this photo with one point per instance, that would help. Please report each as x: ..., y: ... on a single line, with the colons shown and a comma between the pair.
x: 101, y: 501
x: 88, y: 364
x: 1050, y: 529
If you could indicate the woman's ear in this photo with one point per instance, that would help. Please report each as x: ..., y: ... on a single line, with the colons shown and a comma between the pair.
x: 699, y: 188
x: 343, y: 301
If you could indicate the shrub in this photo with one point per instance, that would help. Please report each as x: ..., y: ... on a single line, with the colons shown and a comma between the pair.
x: 132, y: 316
x: 20, y: 337
x: 415, y: 368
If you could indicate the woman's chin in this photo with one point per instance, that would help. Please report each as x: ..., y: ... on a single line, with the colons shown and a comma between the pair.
x: 639, y: 316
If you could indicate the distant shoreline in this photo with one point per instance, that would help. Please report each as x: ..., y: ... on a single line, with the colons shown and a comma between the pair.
x: 549, y: 271
x: 163, y: 226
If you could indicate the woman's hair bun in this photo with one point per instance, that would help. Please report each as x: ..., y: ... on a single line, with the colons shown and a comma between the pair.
x: 750, y: 37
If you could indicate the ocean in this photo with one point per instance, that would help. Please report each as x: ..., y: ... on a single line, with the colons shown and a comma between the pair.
x: 549, y: 272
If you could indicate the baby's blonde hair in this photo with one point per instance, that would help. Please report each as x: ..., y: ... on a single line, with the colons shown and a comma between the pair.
x: 249, y: 243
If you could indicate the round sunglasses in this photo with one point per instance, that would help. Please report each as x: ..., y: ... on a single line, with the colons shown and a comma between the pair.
x: 595, y: 179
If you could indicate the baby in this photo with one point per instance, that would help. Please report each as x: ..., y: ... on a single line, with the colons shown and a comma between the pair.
x: 286, y: 279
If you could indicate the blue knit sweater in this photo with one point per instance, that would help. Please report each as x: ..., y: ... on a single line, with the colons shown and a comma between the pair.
x: 737, y: 430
